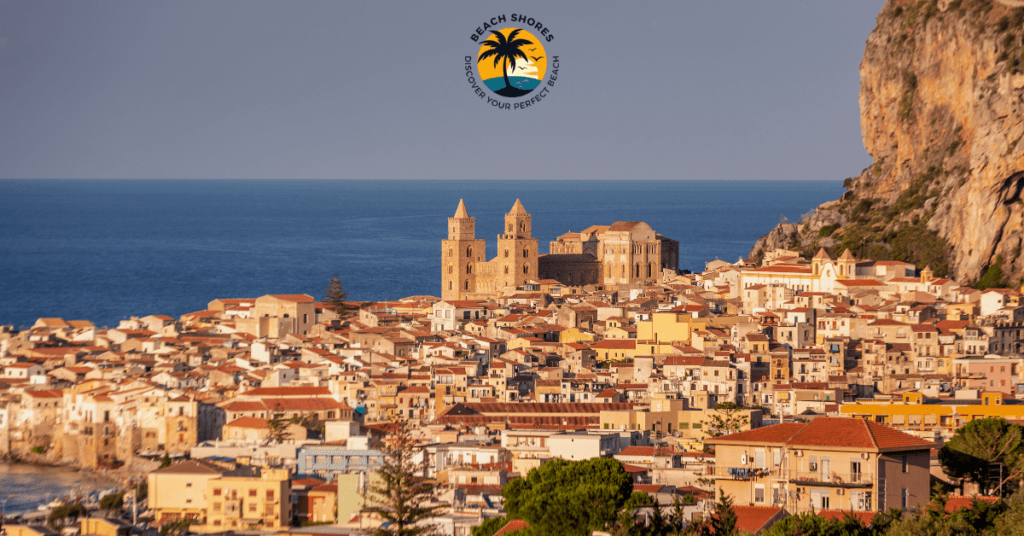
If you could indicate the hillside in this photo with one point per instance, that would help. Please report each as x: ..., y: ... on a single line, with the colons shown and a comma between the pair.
x: 942, y: 118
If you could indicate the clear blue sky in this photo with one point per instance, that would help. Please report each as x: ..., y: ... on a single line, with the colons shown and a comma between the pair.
x: 714, y: 90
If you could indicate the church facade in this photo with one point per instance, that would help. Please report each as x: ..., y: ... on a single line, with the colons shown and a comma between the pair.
x: 620, y: 255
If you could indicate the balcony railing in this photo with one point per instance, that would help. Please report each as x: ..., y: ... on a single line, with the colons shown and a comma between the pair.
x: 739, y: 473
x: 833, y: 478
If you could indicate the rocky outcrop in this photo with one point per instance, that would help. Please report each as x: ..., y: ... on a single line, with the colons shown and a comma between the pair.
x: 942, y: 117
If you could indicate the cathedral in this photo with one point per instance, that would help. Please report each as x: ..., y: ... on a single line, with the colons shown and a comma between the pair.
x: 621, y: 255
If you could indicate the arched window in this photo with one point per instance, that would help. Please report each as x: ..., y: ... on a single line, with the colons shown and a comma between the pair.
x: 506, y: 253
x: 510, y: 227
x: 467, y: 284
x: 522, y: 226
x: 451, y: 269
x: 637, y: 270
x: 506, y: 270
x: 623, y: 270
x: 450, y: 252
x: 526, y: 252
x: 469, y: 251
x: 450, y: 285
x: 469, y: 269
x: 650, y: 270
x: 526, y: 268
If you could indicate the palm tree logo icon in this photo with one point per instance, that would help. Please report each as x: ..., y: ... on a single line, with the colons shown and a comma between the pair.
x: 518, y: 65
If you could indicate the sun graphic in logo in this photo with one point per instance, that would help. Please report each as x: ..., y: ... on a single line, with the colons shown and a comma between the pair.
x: 512, y: 62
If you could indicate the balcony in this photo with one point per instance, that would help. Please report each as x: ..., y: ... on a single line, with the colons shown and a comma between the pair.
x: 834, y: 479
x: 740, y: 473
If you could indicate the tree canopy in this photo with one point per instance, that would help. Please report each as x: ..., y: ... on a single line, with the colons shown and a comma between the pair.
x: 570, y: 498
x: 977, y: 450
x: 335, y: 296
x: 402, y: 497
x: 728, y: 418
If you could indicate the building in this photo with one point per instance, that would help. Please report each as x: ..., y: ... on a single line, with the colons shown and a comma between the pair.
x: 465, y: 275
x: 249, y: 499
x: 622, y: 255
x: 829, y: 463
x: 179, y: 491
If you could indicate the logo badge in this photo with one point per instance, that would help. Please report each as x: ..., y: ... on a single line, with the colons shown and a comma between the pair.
x: 511, y: 66
x: 511, y: 62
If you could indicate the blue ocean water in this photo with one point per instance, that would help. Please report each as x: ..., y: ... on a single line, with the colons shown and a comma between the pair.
x: 104, y: 250
x: 521, y: 82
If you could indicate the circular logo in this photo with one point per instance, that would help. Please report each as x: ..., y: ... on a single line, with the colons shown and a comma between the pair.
x: 511, y: 62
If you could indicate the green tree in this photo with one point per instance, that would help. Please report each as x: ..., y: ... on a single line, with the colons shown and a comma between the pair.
x: 178, y: 527
x: 721, y: 522
x: 403, y: 495
x: 65, y: 512
x: 811, y: 524
x: 277, y: 425
x: 489, y: 526
x: 504, y: 50
x: 335, y: 296
x: 728, y: 418
x: 166, y: 461
x: 980, y: 449
x: 570, y: 498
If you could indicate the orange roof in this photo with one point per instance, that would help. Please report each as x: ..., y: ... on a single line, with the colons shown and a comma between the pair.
x: 956, y: 503
x: 512, y: 526
x: 850, y: 432
x: 298, y: 298
x: 248, y: 422
x: 756, y: 518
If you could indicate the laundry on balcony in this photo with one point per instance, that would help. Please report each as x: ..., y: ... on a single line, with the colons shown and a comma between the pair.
x: 743, y: 472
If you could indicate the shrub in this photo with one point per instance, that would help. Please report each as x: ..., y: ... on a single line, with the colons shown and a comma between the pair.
x: 828, y: 230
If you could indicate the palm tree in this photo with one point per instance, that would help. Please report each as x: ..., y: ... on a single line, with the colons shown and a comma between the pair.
x: 506, y: 50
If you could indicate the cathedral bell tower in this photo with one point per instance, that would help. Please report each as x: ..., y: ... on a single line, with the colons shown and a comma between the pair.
x: 517, y: 251
x: 460, y: 255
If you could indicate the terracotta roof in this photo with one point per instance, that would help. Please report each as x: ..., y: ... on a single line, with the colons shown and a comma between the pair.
x: 849, y: 432
x: 515, y: 524
x: 956, y: 503
x: 299, y: 298
x: 756, y: 518
x: 248, y: 422
x: 190, y: 467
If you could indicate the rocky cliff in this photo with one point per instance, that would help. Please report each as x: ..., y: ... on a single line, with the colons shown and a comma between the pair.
x: 942, y: 117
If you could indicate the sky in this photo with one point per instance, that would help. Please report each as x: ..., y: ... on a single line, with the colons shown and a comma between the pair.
x: 340, y: 89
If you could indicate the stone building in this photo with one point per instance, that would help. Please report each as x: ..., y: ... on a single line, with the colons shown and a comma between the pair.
x: 465, y: 275
x: 620, y: 255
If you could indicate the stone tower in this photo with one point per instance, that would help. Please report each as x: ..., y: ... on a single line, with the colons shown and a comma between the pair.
x: 517, y: 250
x: 460, y: 256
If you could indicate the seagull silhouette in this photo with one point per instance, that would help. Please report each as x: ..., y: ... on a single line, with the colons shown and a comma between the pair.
x: 536, y: 58
x: 532, y: 49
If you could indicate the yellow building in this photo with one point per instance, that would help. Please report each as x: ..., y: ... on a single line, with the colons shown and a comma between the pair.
x: 668, y: 417
x: 258, y: 502
x: 179, y: 491
x: 827, y: 464
x: 98, y: 526
x: 666, y: 329
x: 918, y: 414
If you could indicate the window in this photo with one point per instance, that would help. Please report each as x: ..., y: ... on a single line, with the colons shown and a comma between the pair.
x: 216, y: 507
x: 905, y: 465
x: 252, y: 492
x: 526, y: 252
x: 526, y: 268
x: 469, y: 251
x: 451, y: 269
x: 904, y: 498
x: 216, y: 492
x: 270, y: 495
x: 759, y: 493
x: 469, y: 269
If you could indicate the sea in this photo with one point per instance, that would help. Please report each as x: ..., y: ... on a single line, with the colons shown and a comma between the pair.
x: 106, y: 250
x: 23, y: 488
